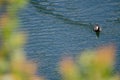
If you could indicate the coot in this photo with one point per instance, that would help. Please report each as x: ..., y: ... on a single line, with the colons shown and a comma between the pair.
x: 97, y: 29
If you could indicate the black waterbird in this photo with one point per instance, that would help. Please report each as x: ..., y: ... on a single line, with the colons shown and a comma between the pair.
x: 97, y: 30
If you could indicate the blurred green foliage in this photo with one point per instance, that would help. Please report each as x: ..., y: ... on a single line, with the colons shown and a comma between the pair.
x: 90, y: 65
x: 13, y: 62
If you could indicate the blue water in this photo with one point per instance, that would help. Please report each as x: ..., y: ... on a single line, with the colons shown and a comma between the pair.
x: 65, y: 27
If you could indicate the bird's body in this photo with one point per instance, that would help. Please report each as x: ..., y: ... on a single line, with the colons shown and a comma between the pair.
x: 97, y: 29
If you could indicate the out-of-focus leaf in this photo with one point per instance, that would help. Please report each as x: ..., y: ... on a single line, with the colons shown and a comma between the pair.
x: 69, y: 69
x: 91, y: 65
x: 105, y: 56
x: 13, y: 62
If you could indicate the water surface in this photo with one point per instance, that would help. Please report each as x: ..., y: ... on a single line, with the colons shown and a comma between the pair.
x: 65, y: 27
